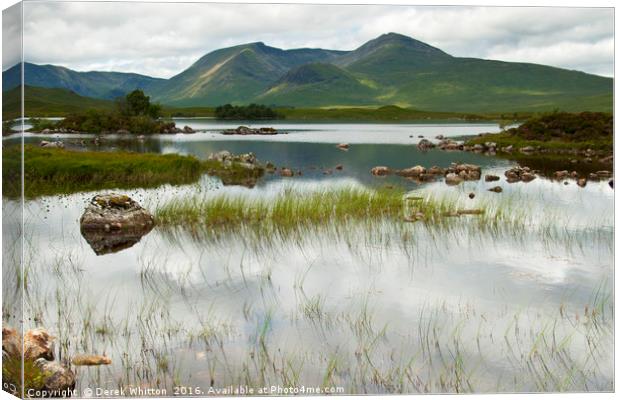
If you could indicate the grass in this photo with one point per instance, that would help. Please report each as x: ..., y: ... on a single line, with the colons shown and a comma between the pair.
x: 287, y: 211
x: 292, y: 211
x: 557, y: 132
x: 504, y: 139
x: 58, y: 171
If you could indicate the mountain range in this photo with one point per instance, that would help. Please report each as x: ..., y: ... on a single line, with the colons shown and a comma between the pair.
x: 392, y: 69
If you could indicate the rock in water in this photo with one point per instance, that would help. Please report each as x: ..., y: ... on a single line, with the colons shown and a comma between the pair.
x: 496, y: 189
x: 59, y: 377
x: 425, y: 144
x: 11, y: 344
x: 380, y: 171
x: 38, y: 343
x: 114, y: 222
x: 343, y: 146
x: 453, y: 179
x: 91, y: 360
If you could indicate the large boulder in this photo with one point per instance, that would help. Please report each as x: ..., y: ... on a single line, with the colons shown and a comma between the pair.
x: 113, y: 222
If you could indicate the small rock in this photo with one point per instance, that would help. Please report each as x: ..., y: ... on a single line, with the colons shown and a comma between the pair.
x: 527, y: 149
x: 491, y: 178
x: 527, y: 177
x: 380, y: 171
x: 472, y: 195
x: 496, y: 189
x: 343, y: 146
x: 90, y: 360
x: 453, y: 179
x: 425, y: 144
x: 582, y: 182
x: 339, y: 167
x: 611, y: 183
x: 286, y: 172
x: 412, y: 171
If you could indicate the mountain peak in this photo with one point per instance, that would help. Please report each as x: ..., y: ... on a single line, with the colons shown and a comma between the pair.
x: 393, y: 38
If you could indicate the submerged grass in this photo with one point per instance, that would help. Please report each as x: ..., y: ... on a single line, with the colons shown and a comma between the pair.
x: 288, y: 211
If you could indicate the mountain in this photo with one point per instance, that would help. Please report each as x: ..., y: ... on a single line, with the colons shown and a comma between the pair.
x: 310, y: 84
x: 391, y: 69
x: 235, y: 74
x: 103, y: 85
x: 50, y: 102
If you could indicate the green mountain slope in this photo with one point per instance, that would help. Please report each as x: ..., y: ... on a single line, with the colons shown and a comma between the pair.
x: 104, y: 85
x: 235, y: 74
x: 310, y: 84
x: 48, y: 102
x: 391, y: 69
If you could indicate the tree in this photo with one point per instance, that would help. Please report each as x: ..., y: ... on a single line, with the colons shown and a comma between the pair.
x: 137, y: 103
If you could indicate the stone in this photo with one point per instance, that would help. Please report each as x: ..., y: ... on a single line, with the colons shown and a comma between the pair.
x: 286, y: 172
x: 188, y: 129
x: 453, y: 179
x: 435, y: 170
x: 581, y: 182
x: 343, y: 146
x: 611, y: 183
x: 114, y: 222
x: 561, y: 174
x: 496, y: 189
x: 38, y: 343
x: 90, y: 360
x: 472, y: 195
x: 11, y: 343
x: 56, y: 144
x: 527, y: 149
x: 380, y: 171
x: 491, y: 178
x: 339, y: 167
x: 527, y: 177
x: 412, y: 171
x: 425, y: 144
x: 60, y: 378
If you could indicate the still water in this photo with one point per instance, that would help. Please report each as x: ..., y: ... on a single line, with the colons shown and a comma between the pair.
x: 392, y: 307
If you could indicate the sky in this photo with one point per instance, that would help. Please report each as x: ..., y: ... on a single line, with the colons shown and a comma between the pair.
x: 161, y: 40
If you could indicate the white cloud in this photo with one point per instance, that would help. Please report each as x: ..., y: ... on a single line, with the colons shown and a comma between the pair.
x: 162, y: 39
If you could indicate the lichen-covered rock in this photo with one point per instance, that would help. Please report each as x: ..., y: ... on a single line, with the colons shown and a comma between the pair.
x: 113, y: 222
x: 38, y: 343
x: 59, y: 379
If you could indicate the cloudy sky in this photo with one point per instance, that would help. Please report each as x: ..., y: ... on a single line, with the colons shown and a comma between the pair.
x: 161, y: 39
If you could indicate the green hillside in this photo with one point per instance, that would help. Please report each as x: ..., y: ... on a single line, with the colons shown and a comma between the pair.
x: 48, y: 102
x: 392, y: 69
x: 310, y: 84
x: 234, y: 75
x: 98, y: 84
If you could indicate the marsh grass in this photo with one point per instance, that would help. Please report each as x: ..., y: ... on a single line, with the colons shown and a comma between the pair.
x: 50, y: 171
x: 292, y: 211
